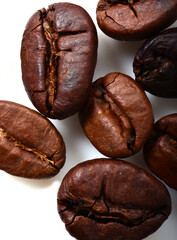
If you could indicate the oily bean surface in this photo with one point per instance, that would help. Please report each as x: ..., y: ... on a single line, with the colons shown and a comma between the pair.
x: 30, y: 146
x: 160, y: 151
x: 155, y: 64
x: 115, y: 115
x: 113, y: 200
x: 135, y: 19
x: 58, y: 57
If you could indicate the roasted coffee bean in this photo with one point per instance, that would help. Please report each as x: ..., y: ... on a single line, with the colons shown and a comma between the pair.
x: 117, y: 117
x: 135, y: 19
x: 106, y: 199
x: 155, y: 64
x: 30, y: 146
x: 58, y: 56
x: 160, y: 151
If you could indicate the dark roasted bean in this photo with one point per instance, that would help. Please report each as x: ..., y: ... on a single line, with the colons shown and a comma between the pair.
x: 155, y: 64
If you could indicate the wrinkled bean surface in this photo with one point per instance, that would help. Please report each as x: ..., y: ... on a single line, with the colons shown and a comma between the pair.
x: 115, y: 116
x: 135, y: 19
x: 160, y: 151
x: 58, y: 56
x: 155, y: 64
x: 112, y: 200
x: 30, y: 146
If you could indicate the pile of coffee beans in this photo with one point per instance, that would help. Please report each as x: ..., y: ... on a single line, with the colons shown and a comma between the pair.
x: 105, y: 198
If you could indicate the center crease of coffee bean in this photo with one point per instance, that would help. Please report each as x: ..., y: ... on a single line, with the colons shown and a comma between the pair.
x: 103, y: 211
x: 4, y: 134
x: 52, y: 62
x: 128, y: 131
x: 116, y: 213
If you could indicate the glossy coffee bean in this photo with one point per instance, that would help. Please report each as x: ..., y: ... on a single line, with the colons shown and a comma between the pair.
x: 160, y: 151
x: 30, y: 146
x: 135, y: 19
x: 58, y: 56
x: 117, y: 117
x: 106, y: 199
x: 155, y: 64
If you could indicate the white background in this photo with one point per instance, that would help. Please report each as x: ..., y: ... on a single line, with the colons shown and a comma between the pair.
x: 28, y: 208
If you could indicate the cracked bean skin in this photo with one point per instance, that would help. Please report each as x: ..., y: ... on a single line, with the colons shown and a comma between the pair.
x: 160, y: 151
x: 112, y: 200
x: 155, y: 64
x: 30, y: 146
x: 58, y: 58
x: 115, y: 115
x: 131, y: 20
